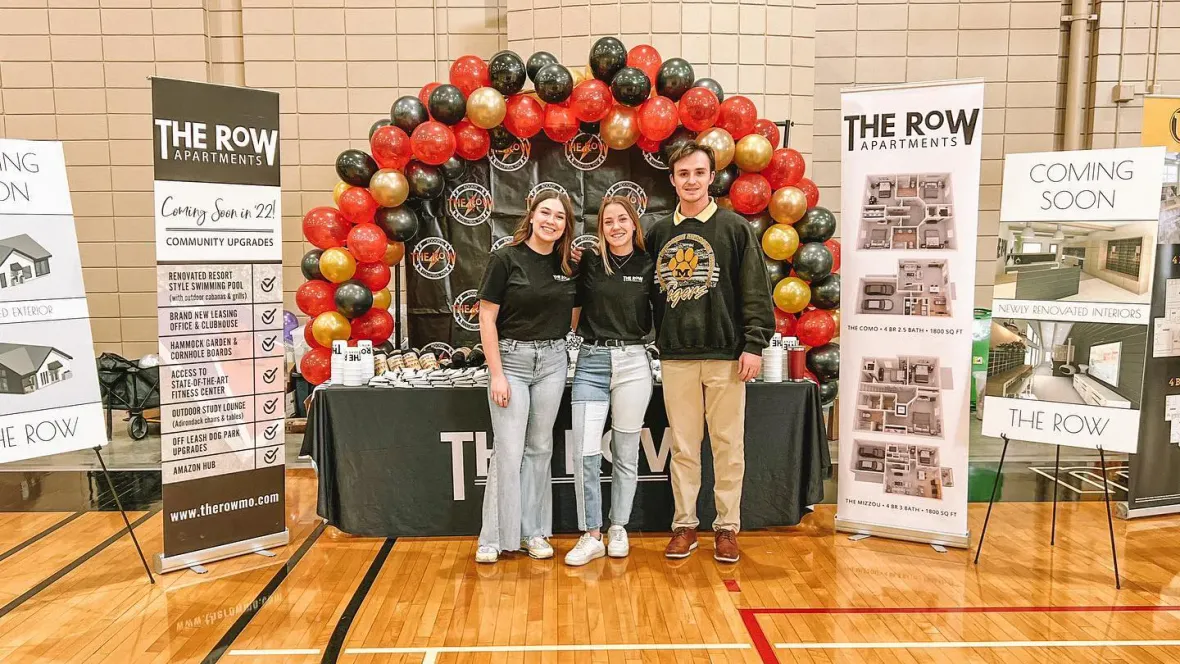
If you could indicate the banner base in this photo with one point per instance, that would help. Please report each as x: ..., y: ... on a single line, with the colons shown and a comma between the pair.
x: 184, y: 561
x: 905, y: 534
x: 1123, y: 512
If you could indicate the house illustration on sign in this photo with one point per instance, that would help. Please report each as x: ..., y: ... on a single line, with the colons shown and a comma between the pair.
x: 25, y: 369
x: 21, y: 260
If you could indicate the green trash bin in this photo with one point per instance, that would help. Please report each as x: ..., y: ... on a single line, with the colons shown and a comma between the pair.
x: 981, y: 333
x: 979, y: 484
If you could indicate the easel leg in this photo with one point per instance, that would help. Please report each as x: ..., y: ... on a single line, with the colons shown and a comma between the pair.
x: 992, y: 501
x: 1109, y: 520
x: 119, y: 504
x: 1056, y: 470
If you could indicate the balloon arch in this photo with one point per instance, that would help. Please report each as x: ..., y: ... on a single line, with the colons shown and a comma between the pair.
x: 628, y: 98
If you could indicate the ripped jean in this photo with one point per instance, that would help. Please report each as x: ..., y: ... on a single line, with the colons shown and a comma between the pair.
x: 615, y: 380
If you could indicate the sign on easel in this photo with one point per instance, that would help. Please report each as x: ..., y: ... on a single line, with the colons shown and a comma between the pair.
x: 220, y: 298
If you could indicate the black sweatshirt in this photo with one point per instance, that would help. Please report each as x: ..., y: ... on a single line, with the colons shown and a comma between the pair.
x: 712, y: 295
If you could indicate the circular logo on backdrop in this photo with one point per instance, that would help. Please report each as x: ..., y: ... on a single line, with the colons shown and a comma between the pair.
x: 439, y: 349
x: 433, y: 258
x: 470, y: 204
x: 465, y: 310
x: 540, y: 187
x: 513, y: 157
x: 585, y: 152
x: 1174, y: 126
x: 630, y: 190
x: 654, y: 160
x: 501, y: 242
x: 585, y: 242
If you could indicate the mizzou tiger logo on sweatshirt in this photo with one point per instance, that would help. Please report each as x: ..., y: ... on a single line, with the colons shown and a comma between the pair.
x: 686, y: 268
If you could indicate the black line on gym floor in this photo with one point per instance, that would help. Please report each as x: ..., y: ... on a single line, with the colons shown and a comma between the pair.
x: 252, y: 609
x: 45, y: 583
x: 340, y: 633
x: 38, y: 537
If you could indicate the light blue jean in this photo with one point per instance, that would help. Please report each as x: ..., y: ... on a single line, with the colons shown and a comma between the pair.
x: 618, y: 380
x: 518, y: 501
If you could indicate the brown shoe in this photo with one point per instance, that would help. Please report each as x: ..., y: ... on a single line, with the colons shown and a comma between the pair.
x: 725, y: 547
x: 684, y: 542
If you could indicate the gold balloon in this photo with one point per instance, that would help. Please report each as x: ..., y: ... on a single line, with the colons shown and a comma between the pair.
x: 341, y: 187
x: 724, y: 202
x: 337, y: 265
x: 835, y: 314
x: 753, y: 153
x: 721, y: 142
x: 394, y: 251
x: 788, y: 205
x: 580, y: 74
x: 620, y: 127
x: 382, y: 299
x: 792, y: 295
x: 486, y: 108
x: 330, y: 326
x: 389, y: 187
x: 779, y: 242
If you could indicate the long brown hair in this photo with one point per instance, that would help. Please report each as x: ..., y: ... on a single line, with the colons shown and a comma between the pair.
x: 565, y: 245
x: 636, y: 236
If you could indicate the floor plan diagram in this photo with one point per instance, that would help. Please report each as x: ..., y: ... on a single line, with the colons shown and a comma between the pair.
x: 901, y: 395
x: 907, y: 470
x: 920, y: 288
x: 907, y: 211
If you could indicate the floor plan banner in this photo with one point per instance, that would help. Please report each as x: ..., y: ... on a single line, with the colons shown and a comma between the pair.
x: 49, y: 395
x: 910, y: 212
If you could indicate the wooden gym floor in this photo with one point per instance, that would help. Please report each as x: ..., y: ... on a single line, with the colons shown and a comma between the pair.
x: 73, y: 591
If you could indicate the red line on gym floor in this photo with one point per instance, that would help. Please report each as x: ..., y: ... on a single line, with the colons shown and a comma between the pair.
x: 732, y: 586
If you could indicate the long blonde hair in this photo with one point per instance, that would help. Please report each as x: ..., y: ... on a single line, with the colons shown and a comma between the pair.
x: 525, y: 228
x: 636, y: 236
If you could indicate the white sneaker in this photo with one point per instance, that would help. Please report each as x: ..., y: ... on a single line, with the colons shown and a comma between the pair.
x: 588, y: 548
x: 539, y: 548
x: 486, y: 554
x: 618, y: 545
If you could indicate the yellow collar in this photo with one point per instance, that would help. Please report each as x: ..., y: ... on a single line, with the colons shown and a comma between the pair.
x: 705, y: 214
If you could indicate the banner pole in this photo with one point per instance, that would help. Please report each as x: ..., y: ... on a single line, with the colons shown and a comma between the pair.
x: 119, y: 504
x: 992, y: 501
x: 397, y: 306
x: 1109, y: 520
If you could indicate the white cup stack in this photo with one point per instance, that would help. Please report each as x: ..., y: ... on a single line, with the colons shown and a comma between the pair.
x: 338, y: 348
x: 367, y: 366
x: 353, y: 368
x: 772, y: 360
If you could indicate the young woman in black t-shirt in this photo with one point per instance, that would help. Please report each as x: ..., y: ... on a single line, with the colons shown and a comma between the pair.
x: 525, y: 311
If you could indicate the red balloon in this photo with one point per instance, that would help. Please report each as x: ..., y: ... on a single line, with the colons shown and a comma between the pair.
x: 591, y: 100
x: 424, y: 93
x: 367, y: 243
x: 315, y: 297
x: 433, y: 143
x: 309, y: 337
x: 816, y: 328
x: 834, y: 247
x: 646, y: 59
x: 658, y: 118
x: 738, y: 115
x: 810, y: 190
x: 358, y: 205
x: 469, y: 73
x: 316, y: 365
x: 391, y: 147
x: 560, y: 123
x: 376, y: 325
x: 784, y: 323
x: 647, y: 145
x: 768, y: 129
x: 699, y: 109
x: 525, y: 116
x: 785, y: 169
x: 750, y: 193
x: 374, y: 275
x: 325, y: 227
x: 471, y: 142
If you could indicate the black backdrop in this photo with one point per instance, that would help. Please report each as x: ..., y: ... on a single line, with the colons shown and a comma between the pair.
x: 434, y: 312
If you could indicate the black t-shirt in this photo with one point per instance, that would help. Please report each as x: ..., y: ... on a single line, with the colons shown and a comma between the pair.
x: 615, y: 306
x: 535, y: 297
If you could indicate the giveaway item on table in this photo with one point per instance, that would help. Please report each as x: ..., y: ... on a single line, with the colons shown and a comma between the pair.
x: 338, y: 348
x: 772, y: 360
x: 796, y: 360
x: 353, y: 368
x: 368, y: 368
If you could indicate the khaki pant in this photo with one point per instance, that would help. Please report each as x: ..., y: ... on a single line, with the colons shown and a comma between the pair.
x: 695, y: 392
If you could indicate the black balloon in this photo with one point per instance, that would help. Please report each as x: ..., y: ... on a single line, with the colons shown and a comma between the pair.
x: 353, y: 298
x: 674, y: 78
x: 425, y: 181
x: 776, y: 271
x: 355, y: 167
x: 607, y: 57
x: 759, y: 222
x: 447, y: 104
x: 827, y: 391
x: 630, y: 86
x: 537, y: 61
x: 679, y: 137
x: 813, y: 261
x: 507, y: 73
x: 590, y: 127
x: 454, y: 168
x: 817, y: 225
x: 711, y: 85
x: 554, y: 83
x: 825, y: 293
x: 310, y: 265
x: 824, y: 361
x: 377, y: 125
x: 724, y: 180
x: 407, y: 113
x: 500, y: 137
x: 400, y: 223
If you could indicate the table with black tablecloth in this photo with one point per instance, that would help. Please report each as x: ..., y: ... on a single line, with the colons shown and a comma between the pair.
x: 413, y: 462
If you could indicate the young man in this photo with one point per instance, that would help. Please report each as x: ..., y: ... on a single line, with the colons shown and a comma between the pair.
x: 713, y: 317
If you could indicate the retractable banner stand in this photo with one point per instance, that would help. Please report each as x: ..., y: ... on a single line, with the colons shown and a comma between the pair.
x: 1155, y: 470
x: 220, y: 297
x: 49, y: 395
x: 909, y: 215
